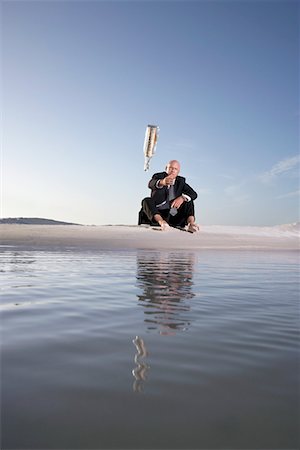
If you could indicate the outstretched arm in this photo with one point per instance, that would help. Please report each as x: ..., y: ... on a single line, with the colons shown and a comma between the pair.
x: 160, y: 180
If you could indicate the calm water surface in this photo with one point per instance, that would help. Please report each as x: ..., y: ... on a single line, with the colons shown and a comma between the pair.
x: 149, y: 350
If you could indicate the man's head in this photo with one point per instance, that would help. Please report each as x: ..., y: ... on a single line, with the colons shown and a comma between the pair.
x: 173, y: 168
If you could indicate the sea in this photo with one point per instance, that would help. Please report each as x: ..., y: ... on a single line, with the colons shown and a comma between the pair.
x: 144, y: 349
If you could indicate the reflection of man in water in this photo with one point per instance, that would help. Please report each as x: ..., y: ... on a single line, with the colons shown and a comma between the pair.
x: 140, y: 370
x: 166, y: 283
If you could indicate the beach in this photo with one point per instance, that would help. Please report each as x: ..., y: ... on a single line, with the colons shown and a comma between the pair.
x: 281, y: 237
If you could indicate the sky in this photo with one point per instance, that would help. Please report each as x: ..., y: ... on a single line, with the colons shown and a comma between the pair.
x: 81, y: 80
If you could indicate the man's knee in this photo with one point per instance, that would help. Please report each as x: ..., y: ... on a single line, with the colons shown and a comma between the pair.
x: 148, y: 207
x: 187, y: 208
x: 146, y: 202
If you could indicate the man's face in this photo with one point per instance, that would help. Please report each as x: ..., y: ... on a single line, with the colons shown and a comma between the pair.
x: 173, y: 168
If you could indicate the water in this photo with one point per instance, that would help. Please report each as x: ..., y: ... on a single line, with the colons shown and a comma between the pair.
x: 150, y: 350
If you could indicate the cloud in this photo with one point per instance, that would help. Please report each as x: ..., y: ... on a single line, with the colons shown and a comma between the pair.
x: 227, y: 177
x: 232, y: 190
x: 235, y: 189
x: 204, y: 191
x: 236, y: 194
x: 281, y: 168
x: 181, y: 144
x: 290, y: 194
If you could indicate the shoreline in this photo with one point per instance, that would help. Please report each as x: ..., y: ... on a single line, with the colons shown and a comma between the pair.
x: 134, y: 237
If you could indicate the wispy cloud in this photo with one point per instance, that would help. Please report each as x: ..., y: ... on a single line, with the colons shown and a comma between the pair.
x: 236, y: 194
x: 204, y: 191
x: 227, y: 177
x: 281, y: 168
x: 181, y: 144
x: 232, y: 189
x: 290, y: 194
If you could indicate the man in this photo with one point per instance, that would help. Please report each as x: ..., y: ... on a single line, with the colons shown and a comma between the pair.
x: 171, y: 202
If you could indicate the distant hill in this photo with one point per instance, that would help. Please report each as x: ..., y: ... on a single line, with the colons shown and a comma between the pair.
x: 33, y: 221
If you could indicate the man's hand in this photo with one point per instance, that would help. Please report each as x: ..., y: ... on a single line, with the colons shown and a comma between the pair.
x: 177, y: 202
x: 167, y: 181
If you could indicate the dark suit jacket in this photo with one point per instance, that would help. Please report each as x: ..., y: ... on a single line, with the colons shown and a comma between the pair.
x: 161, y: 194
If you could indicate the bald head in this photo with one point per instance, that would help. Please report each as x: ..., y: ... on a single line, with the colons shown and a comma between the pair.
x: 173, y: 168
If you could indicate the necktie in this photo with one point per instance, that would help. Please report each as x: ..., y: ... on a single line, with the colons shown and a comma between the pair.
x: 171, y: 195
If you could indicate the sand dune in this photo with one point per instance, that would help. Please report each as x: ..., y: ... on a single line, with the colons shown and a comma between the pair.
x: 56, y: 237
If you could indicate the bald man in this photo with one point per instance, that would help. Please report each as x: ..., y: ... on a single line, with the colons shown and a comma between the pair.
x: 171, y: 202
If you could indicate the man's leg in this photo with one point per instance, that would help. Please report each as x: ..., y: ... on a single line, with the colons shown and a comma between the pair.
x: 161, y: 221
x: 149, y: 208
x: 192, y: 226
x: 185, y: 216
x: 153, y: 213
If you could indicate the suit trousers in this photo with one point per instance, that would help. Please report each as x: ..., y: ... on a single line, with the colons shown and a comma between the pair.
x: 179, y: 220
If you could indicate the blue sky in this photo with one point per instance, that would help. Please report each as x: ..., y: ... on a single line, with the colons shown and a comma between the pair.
x: 81, y: 81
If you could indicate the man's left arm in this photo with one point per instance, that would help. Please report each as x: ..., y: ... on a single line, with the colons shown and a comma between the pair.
x: 188, y: 193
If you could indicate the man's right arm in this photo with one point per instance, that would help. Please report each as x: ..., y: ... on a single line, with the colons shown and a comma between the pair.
x: 156, y: 181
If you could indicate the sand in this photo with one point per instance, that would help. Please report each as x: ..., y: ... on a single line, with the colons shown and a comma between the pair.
x: 124, y: 237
